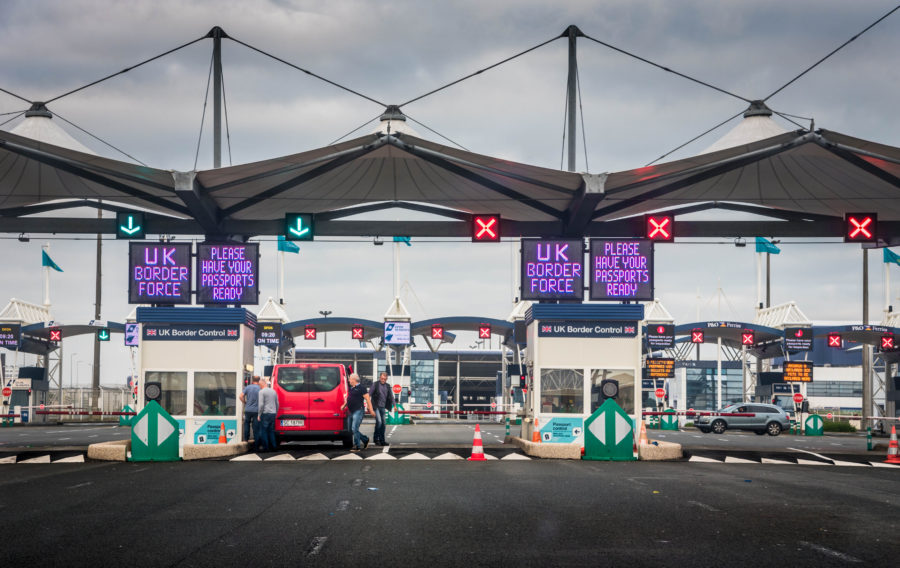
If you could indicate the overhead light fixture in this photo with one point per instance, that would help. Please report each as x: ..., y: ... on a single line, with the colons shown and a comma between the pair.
x: 740, y: 242
x: 24, y: 238
x: 377, y: 241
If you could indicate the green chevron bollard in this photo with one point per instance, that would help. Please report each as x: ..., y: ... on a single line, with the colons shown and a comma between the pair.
x: 869, y: 438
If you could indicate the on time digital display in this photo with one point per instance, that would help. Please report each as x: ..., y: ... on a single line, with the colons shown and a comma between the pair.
x: 9, y: 335
x: 159, y: 273
x: 552, y: 269
x: 268, y: 334
x: 621, y: 269
x: 228, y: 273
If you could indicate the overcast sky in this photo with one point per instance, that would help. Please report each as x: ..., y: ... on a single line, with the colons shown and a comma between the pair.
x: 395, y: 51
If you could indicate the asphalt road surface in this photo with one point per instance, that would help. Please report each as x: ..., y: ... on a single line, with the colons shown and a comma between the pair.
x: 448, y: 513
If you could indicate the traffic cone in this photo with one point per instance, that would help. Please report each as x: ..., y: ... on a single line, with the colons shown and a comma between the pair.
x: 536, y: 433
x: 477, y: 448
x: 222, y: 438
x: 644, y: 441
x: 893, y: 455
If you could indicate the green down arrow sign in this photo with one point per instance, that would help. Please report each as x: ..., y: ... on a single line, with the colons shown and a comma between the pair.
x: 129, y: 225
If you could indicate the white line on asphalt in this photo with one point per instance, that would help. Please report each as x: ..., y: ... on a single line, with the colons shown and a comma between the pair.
x: 830, y: 552
x: 61, y: 439
x: 81, y: 485
x: 343, y: 505
x: 316, y: 545
x: 704, y: 506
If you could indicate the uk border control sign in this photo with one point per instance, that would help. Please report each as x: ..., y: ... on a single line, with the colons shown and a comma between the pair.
x: 609, y: 434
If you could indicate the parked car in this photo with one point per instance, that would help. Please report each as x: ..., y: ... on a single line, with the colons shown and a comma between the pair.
x: 310, y: 396
x: 767, y: 419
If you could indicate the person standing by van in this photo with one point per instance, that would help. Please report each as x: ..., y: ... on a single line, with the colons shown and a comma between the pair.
x: 250, y: 400
x: 268, y: 408
x: 382, y: 398
x: 357, y: 399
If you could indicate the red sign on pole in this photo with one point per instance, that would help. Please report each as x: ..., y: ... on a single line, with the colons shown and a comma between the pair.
x: 7, y: 391
x: 798, y: 398
x: 696, y: 336
x: 397, y: 389
x: 748, y: 338
x: 660, y: 393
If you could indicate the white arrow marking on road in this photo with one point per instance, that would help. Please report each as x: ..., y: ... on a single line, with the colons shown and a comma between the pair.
x: 164, y: 429
x: 140, y: 429
x: 598, y: 427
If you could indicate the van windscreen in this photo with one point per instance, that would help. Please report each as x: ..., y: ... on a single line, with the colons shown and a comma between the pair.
x: 324, y: 379
x: 292, y: 379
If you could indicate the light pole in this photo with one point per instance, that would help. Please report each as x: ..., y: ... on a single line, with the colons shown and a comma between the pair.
x: 325, y: 314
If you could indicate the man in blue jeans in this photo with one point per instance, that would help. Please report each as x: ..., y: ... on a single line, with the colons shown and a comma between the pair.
x: 268, y: 408
x: 356, y: 401
x: 250, y: 399
x: 382, y: 401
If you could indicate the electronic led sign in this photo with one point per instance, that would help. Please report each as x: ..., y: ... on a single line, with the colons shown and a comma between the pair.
x: 834, y: 340
x: 660, y: 335
x: 228, y: 273
x: 268, y: 334
x: 55, y: 335
x: 484, y: 331
x: 621, y: 269
x: 661, y: 368
x: 798, y: 371
x: 159, y: 273
x: 748, y: 337
x: 129, y: 225
x: 437, y: 331
x: 299, y: 226
x: 887, y: 342
x: 103, y: 334
x: 358, y: 332
x: 10, y: 335
x: 552, y: 269
x: 485, y: 228
x: 860, y: 227
x: 798, y: 339
x: 660, y: 228
x: 696, y: 336
x: 309, y: 332
x: 397, y: 332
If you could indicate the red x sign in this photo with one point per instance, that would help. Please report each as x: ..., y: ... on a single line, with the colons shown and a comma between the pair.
x: 697, y: 336
x: 484, y: 331
x: 659, y: 227
x: 437, y: 331
x: 310, y: 332
x: 485, y: 228
x: 834, y: 340
x: 56, y: 335
x: 887, y: 341
x: 860, y: 227
x: 748, y: 338
x: 356, y: 332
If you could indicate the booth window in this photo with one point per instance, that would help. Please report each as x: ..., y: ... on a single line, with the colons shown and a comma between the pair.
x: 174, y: 390
x: 214, y: 393
x: 562, y: 391
x: 625, y: 377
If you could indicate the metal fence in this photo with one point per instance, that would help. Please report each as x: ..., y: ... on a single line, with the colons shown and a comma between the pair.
x: 110, y: 399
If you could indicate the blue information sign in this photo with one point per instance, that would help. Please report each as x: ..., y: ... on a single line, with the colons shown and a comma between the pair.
x: 587, y: 329
x: 191, y: 332
x: 397, y: 332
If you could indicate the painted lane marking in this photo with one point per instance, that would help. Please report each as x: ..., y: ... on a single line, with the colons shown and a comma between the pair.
x: 343, y: 505
x: 81, y: 485
x: 829, y: 552
x: 315, y: 546
x: 704, y: 506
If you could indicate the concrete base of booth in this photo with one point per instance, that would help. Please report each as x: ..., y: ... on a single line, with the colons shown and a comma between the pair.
x: 115, y: 450
x: 206, y: 451
x: 549, y: 451
x: 660, y: 451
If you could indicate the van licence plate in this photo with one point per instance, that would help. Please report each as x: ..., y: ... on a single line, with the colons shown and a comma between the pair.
x: 294, y: 423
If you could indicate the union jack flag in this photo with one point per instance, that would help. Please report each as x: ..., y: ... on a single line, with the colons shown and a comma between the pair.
x: 546, y: 328
x: 232, y: 333
x: 151, y: 331
x: 629, y: 329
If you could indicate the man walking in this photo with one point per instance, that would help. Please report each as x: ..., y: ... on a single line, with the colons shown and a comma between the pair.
x: 354, y: 402
x: 268, y: 408
x: 250, y: 399
x: 382, y: 399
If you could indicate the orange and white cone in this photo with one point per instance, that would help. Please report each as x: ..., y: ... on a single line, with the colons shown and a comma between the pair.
x: 893, y: 455
x: 644, y: 441
x: 222, y: 438
x: 536, y: 433
x: 477, y: 448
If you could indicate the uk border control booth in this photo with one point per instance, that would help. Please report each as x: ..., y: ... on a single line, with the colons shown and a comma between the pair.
x: 195, y: 360
x: 579, y: 355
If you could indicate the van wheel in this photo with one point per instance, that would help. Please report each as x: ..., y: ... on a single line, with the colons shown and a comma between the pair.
x: 773, y: 428
x: 718, y: 427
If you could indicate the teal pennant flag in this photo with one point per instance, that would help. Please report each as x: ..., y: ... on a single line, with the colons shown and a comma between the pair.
x: 762, y: 245
x: 403, y: 240
x: 47, y: 261
x: 285, y: 245
x: 891, y: 256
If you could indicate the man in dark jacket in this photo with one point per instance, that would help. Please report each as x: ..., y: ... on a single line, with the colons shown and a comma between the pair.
x: 382, y: 402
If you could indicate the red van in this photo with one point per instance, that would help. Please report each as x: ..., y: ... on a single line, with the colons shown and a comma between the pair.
x: 310, y: 396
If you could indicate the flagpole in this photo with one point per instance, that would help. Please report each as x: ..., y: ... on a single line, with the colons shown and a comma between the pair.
x: 888, y: 308
x: 281, y: 277
x: 46, y: 249
x: 759, y: 302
